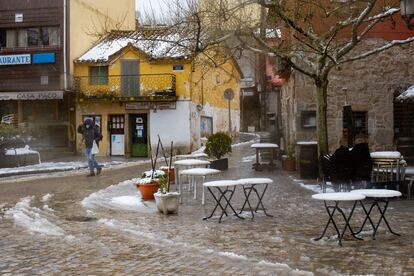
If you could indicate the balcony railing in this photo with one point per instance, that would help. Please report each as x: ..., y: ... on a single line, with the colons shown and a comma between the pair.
x: 127, y: 87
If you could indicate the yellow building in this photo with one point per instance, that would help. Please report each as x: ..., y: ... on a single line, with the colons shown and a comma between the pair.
x: 137, y: 87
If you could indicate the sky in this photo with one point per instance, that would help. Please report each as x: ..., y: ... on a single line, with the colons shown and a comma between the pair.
x: 158, y: 6
x: 144, y: 6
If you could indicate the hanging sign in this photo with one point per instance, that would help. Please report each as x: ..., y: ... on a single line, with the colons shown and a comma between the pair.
x: 15, y: 59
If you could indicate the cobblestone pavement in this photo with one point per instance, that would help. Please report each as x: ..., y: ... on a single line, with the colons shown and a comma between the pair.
x: 57, y: 235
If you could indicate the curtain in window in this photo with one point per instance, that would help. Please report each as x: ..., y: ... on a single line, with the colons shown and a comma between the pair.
x: 54, y: 38
x: 11, y: 38
x: 23, y: 38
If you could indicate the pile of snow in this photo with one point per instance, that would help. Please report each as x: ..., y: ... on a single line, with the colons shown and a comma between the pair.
x: 21, y: 151
x: 406, y: 96
x: 122, y: 196
x: 34, y: 219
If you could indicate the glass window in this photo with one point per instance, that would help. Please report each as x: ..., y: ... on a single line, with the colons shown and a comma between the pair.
x: 308, y: 119
x: 360, y: 121
x: 98, y: 75
x: 30, y: 37
x: 3, y: 38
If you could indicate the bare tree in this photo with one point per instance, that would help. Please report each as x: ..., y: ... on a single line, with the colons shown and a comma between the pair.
x: 315, y: 36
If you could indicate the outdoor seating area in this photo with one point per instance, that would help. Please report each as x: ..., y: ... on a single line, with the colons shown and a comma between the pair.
x: 357, y: 168
x: 377, y: 197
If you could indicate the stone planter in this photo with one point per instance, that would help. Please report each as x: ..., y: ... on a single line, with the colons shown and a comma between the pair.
x: 147, y: 190
x: 220, y: 164
x: 167, y: 203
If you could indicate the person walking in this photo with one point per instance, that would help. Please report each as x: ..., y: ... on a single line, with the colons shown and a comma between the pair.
x: 91, y: 133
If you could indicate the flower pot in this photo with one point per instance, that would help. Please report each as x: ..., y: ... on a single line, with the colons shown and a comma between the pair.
x: 172, y: 173
x: 167, y: 203
x: 147, y: 190
x: 290, y: 165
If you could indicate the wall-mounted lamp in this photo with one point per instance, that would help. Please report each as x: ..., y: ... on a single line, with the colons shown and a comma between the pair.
x: 407, y: 12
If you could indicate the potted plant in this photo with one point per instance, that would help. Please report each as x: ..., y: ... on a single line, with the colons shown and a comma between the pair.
x: 289, y: 161
x: 217, y: 146
x: 166, y: 201
x: 149, y: 182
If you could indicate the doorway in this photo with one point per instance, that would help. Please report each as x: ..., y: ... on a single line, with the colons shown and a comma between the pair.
x: 117, y: 134
x: 139, y: 135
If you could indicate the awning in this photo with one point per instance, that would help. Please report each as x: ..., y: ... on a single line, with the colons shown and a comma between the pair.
x: 31, y: 95
x: 406, y: 96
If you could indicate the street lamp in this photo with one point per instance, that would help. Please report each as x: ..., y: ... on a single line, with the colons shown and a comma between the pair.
x: 407, y: 12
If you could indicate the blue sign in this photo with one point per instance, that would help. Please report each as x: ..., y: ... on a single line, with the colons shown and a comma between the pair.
x: 43, y: 58
x: 15, y: 59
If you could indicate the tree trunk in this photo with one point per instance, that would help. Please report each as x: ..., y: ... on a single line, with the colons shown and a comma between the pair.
x: 322, y: 126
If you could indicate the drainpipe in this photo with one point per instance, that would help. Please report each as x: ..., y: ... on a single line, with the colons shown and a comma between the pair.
x: 65, y: 71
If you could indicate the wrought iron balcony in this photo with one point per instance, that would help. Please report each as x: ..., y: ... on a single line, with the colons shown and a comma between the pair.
x: 127, y: 87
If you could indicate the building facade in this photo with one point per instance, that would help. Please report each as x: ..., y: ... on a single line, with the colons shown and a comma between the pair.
x: 38, y: 41
x: 369, y: 86
x: 137, y: 88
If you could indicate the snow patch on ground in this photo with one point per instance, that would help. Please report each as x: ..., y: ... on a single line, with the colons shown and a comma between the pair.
x: 46, y: 197
x: 316, y: 188
x: 57, y: 166
x: 122, y: 196
x: 247, y: 159
x: 34, y: 219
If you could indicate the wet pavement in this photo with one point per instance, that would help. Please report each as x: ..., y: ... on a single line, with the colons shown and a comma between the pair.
x: 87, y: 226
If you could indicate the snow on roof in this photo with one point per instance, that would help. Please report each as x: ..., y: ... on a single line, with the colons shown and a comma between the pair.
x: 406, y: 96
x: 155, y: 44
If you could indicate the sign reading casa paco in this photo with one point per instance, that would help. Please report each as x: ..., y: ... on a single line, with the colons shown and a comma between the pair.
x: 15, y: 59
x: 36, y: 95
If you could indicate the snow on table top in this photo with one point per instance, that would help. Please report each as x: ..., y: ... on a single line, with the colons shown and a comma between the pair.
x: 264, y: 145
x: 200, y: 171
x: 165, y: 167
x: 339, y: 196
x: 377, y: 192
x: 221, y: 183
x: 255, y: 181
x: 193, y: 155
x: 191, y: 162
x: 385, y: 154
x: 304, y: 143
x: 21, y: 151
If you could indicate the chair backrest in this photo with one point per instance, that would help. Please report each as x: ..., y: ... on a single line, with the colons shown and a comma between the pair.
x: 326, y: 166
x: 362, y: 162
x: 343, y: 166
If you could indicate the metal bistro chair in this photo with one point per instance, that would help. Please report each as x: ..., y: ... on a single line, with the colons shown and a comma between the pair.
x: 388, y: 170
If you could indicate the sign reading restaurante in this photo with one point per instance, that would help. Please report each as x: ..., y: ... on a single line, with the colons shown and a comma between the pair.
x: 15, y: 59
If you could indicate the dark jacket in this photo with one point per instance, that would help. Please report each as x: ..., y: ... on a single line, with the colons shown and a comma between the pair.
x: 90, y: 132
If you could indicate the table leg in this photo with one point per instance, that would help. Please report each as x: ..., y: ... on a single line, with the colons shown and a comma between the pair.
x: 204, y: 189
x: 260, y: 203
x: 195, y: 186
x: 256, y: 165
x: 218, y: 202
x: 330, y: 214
x: 382, y: 217
x: 367, y: 217
x: 247, y: 195
x: 347, y: 225
x: 178, y: 180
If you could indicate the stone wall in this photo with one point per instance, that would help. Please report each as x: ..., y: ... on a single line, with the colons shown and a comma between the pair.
x: 368, y: 85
